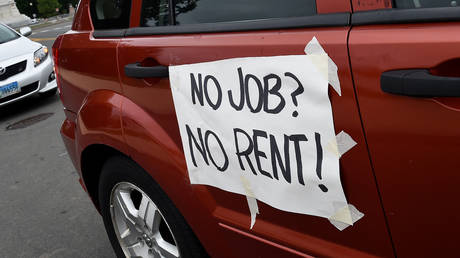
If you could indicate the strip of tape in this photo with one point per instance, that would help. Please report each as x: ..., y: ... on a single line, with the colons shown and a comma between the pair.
x: 344, y: 142
x: 345, y: 217
x: 313, y: 47
x: 340, y: 144
x: 252, y: 201
x: 253, y: 209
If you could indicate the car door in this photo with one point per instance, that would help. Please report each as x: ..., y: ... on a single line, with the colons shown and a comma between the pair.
x: 201, y: 31
x: 405, y: 63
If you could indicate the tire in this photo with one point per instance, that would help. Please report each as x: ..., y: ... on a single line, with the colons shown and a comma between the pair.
x: 125, y: 188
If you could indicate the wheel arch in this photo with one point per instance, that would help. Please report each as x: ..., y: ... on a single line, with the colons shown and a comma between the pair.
x: 110, y: 124
x: 93, y: 158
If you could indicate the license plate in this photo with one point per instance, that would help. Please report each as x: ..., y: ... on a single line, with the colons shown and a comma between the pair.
x: 9, y: 89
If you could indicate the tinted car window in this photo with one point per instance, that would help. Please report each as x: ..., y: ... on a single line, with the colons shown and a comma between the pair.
x: 7, y: 34
x: 210, y: 11
x: 155, y: 13
x: 110, y: 14
x: 404, y: 4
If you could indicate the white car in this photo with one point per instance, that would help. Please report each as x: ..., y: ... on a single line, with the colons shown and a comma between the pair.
x: 26, y: 67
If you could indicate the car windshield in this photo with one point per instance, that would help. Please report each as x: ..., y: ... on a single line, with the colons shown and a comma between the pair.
x: 7, y: 34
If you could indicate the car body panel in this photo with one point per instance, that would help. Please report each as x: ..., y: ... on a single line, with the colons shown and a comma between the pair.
x: 99, y: 122
x: 332, y: 6
x: 17, y: 47
x: 152, y: 148
x: 404, y: 182
x: 413, y: 142
x: 153, y: 96
x: 95, y: 68
x: 32, y: 74
x: 367, y: 5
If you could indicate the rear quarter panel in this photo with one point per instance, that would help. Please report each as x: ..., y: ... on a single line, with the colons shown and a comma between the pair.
x: 85, y: 65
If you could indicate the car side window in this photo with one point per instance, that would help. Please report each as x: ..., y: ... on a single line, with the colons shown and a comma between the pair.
x: 212, y: 11
x: 156, y: 12
x: 407, y: 4
x: 110, y: 14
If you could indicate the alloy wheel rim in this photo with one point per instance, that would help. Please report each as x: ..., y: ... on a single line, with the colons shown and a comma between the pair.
x: 138, y: 224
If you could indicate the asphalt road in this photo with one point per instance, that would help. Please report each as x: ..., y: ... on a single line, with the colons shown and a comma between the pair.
x: 47, y: 35
x: 44, y: 211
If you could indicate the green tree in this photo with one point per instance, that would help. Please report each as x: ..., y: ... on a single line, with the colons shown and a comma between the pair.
x: 47, y: 8
x: 27, y: 7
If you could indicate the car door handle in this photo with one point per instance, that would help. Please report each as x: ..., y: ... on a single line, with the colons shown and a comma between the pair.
x: 137, y: 71
x: 419, y: 83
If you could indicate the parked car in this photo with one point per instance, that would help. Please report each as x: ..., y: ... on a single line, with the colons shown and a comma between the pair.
x: 398, y: 64
x: 25, y: 66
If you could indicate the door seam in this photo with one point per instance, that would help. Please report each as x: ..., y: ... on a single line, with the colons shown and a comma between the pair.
x: 365, y: 140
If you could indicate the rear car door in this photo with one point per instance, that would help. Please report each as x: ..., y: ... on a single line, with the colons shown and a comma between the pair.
x: 179, y: 32
x: 405, y: 63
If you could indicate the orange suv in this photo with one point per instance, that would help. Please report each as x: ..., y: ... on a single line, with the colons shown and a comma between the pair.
x: 121, y: 71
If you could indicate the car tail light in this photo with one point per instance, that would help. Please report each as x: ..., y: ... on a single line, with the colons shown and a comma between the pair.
x: 56, y: 46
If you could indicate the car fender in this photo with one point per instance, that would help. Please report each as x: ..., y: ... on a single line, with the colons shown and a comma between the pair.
x: 99, y: 122
x: 154, y: 149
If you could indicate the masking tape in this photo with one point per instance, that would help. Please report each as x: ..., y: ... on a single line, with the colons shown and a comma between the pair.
x: 313, y: 47
x: 253, y: 209
x: 321, y: 64
x: 340, y: 144
x: 333, y: 147
x: 345, y: 217
x: 344, y: 142
x: 252, y: 201
x: 247, y: 186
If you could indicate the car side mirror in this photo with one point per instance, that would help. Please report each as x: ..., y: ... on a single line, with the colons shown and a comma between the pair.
x: 25, y: 31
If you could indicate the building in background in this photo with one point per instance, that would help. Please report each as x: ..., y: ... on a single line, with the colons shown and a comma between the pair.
x: 9, y: 14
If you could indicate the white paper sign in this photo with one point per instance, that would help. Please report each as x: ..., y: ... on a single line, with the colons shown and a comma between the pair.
x: 258, y: 126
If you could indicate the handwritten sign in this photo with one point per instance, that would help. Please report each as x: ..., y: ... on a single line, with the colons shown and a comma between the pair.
x: 259, y: 127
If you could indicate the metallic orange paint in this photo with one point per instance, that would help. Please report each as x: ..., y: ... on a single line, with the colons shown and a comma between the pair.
x: 413, y: 142
x: 82, y: 21
x: 95, y: 68
x: 99, y: 122
x: 137, y: 117
x: 154, y: 98
x: 333, y: 6
x: 367, y: 5
x: 135, y: 18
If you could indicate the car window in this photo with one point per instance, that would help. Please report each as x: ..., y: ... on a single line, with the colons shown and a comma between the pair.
x: 110, y: 14
x: 156, y: 13
x: 210, y: 11
x: 404, y: 4
x: 6, y: 34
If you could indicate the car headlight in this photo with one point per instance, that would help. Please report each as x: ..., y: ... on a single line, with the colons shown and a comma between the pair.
x: 40, y: 55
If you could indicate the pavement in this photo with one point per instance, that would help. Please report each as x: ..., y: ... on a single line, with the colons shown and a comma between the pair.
x: 47, y: 35
x: 44, y: 210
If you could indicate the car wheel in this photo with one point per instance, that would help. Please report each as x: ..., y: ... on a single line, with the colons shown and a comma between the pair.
x: 139, y: 218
